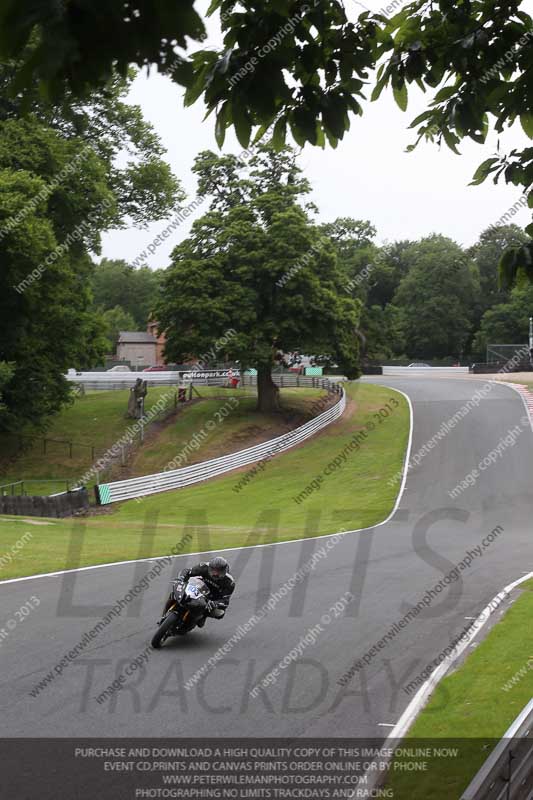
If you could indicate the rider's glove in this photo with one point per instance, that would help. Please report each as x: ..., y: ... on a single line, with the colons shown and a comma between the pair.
x: 211, y: 605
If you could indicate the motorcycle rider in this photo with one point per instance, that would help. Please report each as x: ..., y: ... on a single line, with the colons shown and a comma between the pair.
x: 215, y: 574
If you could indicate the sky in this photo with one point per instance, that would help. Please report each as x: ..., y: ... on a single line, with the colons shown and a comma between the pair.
x: 369, y: 176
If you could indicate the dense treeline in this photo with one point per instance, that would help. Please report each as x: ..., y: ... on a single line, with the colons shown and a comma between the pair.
x: 257, y: 262
x: 429, y: 299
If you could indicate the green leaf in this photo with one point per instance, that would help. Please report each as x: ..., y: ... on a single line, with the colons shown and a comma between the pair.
x: 261, y: 132
x: 444, y: 94
x: 400, y: 95
x: 279, y: 134
x: 451, y: 140
x: 483, y: 171
x: 220, y: 126
x: 380, y: 85
x: 298, y: 135
x: 421, y: 118
x: 195, y: 89
x: 242, y: 124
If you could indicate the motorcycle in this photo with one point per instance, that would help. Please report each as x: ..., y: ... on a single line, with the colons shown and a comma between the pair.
x: 190, y: 605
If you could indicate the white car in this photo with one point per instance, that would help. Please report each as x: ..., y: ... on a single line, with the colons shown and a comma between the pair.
x: 119, y: 368
x: 419, y: 364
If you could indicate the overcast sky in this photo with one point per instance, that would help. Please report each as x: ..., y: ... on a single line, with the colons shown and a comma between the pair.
x: 369, y: 175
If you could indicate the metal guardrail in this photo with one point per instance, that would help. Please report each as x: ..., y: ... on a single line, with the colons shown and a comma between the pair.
x: 186, y: 476
x: 114, y: 385
x: 104, y: 381
x: 425, y: 371
x: 508, y: 772
x: 288, y: 381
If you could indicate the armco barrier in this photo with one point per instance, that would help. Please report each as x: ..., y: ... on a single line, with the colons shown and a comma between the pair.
x: 508, y: 772
x: 107, y: 381
x: 426, y: 372
x: 286, y: 380
x: 185, y: 476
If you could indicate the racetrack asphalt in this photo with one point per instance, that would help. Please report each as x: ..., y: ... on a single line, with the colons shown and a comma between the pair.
x: 387, y: 570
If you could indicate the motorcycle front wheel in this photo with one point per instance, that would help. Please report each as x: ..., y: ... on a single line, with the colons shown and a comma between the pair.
x: 163, y: 632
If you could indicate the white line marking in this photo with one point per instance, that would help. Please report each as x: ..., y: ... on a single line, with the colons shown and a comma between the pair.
x: 247, y: 547
x: 426, y: 690
x: 423, y: 694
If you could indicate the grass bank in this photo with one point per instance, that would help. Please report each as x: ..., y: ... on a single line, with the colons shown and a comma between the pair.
x: 97, y: 420
x: 354, y: 494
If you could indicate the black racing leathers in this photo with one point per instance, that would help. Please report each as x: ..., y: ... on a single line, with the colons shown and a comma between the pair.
x: 221, y: 590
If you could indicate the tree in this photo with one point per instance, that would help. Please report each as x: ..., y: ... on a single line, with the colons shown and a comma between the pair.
x: 353, y: 241
x: 116, y: 319
x: 473, y: 58
x: 382, y: 331
x: 257, y: 275
x: 6, y: 373
x: 53, y: 209
x: 389, y: 267
x: 46, y: 325
x: 436, y: 298
x: 115, y: 283
x: 487, y: 252
x: 103, y: 125
x: 506, y: 323
x: 349, y: 235
x: 479, y: 48
x: 79, y: 46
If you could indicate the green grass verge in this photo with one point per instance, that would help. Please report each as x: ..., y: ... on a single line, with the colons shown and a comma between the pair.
x: 98, y: 420
x: 95, y: 420
x: 356, y: 495
x: 239, y: 428
x: 478, y: 702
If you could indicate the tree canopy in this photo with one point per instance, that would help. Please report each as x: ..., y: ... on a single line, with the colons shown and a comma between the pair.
x: 487, y: 254
x: 506, y: 322
x: 437, y: 298
x: 60, y: 188
x: 296, y: 69
x: 115, y: 283
x: 261, y: 270
x: 116, y: 319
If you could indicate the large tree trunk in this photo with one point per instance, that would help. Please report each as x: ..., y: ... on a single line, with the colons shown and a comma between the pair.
x: 267, y: 391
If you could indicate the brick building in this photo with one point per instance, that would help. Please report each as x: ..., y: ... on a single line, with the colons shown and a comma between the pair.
x: 140, y: 348
x: 160, y: 342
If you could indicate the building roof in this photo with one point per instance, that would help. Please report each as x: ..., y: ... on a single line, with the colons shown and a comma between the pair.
x: 136, y: 337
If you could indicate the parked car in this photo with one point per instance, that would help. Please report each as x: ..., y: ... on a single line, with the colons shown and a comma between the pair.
x: 119, y: 368
x: 419, y: 364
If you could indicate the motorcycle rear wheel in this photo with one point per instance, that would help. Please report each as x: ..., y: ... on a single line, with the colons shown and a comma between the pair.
x: 163, y: 632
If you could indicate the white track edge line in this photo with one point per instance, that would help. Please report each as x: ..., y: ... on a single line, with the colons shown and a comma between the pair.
x: 256, y: 546
x: 422, y: 696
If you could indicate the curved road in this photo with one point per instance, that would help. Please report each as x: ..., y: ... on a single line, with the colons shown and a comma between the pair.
x: 387, y: 569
